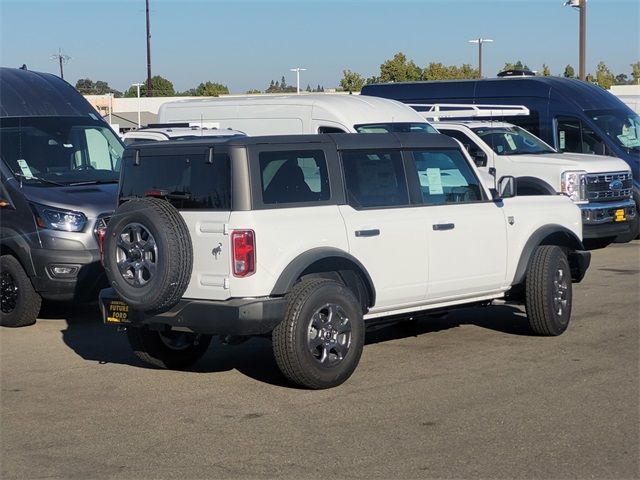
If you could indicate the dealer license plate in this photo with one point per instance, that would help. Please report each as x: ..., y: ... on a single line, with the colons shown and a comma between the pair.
x: 117, y: 312
x: 619, y: 215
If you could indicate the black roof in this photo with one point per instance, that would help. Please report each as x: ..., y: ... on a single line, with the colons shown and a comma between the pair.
x: 341, y: 141
x: 584, y: 95
x: 24, y: 93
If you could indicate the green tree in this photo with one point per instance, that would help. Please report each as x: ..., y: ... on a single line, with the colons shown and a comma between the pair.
x: 85, y: 86
x: 546, y: 71
x: 351, y: 81
x: 160, y: 85
x: 622, y: 79
x: 399, y: 69
x: 569, y: 72
x: 604, y: 77
x: 253, y: 91
x: 210, y: 89
x: 635, y: 72
x: 515, y: 66
x: 439, y: 71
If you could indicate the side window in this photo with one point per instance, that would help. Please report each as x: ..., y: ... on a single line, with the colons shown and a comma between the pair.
x: 375, y: 179
x: 574, y: 136
x: 478, y: 155
x: 445, y: 177
x: 529, y: 122
x: 325, y: 129
x: 98, y: 150
x: 294, y: 176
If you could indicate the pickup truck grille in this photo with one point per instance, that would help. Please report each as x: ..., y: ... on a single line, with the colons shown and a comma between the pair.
x: 607, y: 187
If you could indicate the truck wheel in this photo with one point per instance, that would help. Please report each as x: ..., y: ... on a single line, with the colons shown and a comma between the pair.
x: 20, y: 304
x: 320, y: 341
x: 148, y: 255
x: 548, y: 291
x: 167, y: 349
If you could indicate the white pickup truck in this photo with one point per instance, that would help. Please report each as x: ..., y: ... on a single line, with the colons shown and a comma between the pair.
x: 600, y: 185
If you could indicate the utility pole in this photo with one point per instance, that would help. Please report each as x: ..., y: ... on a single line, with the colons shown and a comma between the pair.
x: 480, y: 41
x: 581, y: 6
x: 61, y: 58
x: 149, y: 86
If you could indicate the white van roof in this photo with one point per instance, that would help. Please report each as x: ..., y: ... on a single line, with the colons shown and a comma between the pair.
x: 353, y: 109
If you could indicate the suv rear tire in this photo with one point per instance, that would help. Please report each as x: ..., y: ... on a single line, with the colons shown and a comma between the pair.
x: 319, y: 343
x: 148, y: 256
x: 548, y: 291
x: 167, y: 349
x: 20, y: 302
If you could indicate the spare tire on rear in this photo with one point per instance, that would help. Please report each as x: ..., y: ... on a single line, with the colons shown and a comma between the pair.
x: 148, y: 255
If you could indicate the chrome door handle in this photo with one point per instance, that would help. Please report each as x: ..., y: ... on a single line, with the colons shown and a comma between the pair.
x: 374, y: 232
x: 444, y: 226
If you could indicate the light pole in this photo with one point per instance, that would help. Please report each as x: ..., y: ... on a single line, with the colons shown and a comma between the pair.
x: 581, y: 5
x: 138, y: 85
x: 480, y: 41
x: 298, y: 70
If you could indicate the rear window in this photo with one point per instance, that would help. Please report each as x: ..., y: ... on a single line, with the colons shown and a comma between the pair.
x: 187, y: 181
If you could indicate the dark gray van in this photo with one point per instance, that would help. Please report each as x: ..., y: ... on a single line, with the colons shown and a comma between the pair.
x: 568, y: 114
x: 59, y: 169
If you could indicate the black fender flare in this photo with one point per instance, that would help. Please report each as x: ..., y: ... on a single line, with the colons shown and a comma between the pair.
x: 295, y: 269
x: 14, y: 244
x: 552, y: 234
x: 535, y: 183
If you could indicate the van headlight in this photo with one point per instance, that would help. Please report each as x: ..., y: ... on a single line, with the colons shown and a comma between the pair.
x: 574, y: 185
x: 58, y: 219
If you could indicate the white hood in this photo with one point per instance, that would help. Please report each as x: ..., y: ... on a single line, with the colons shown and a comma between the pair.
x: 575, y: 161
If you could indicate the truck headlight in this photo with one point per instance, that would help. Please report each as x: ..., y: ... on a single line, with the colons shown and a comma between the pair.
x: 574, y: 185
x: 58, y: 219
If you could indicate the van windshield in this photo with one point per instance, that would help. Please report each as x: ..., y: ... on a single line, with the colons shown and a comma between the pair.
x: 512, y: 140
x: 393, y: 127
x: 60, y: 150
x: 622, y: 127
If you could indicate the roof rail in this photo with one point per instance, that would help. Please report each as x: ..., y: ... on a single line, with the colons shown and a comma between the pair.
x: 436, y: 111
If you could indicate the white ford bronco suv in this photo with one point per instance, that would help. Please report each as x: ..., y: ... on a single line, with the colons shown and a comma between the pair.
x: 310, y: 238
x: 600, y: 185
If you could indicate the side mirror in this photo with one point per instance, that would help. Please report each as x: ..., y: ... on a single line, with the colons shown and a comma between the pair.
x: 507, y: 187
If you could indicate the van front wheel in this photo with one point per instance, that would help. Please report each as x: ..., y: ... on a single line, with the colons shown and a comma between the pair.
x: 20, y: 303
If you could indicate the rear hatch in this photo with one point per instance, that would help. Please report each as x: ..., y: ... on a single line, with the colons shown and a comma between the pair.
x: 195, y: 180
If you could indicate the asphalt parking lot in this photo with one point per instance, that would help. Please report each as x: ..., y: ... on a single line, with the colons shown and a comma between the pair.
x: 470, y: 395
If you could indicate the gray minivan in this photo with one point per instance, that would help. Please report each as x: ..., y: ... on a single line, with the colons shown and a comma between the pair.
x: 59, y: 168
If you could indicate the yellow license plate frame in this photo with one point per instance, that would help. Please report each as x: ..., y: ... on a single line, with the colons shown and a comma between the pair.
x: 117, y: 311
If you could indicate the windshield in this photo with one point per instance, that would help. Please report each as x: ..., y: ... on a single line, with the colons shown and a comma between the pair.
x: 60, y: 150
x: 512, y: 140
x: 623, y: 127
x: 400, y: 127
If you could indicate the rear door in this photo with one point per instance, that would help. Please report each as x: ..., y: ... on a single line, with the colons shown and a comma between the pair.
x: 385, y: 232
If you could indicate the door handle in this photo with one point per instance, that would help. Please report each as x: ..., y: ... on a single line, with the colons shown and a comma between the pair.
x: 374, y: 232
x: 444, y: 226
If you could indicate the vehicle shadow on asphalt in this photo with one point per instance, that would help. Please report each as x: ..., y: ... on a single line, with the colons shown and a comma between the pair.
x: 93, y: 341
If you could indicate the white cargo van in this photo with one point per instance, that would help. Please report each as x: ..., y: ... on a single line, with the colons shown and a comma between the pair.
x: 298, y: 114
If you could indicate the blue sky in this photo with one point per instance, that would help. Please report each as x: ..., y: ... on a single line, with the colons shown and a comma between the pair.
x: 246, y: 44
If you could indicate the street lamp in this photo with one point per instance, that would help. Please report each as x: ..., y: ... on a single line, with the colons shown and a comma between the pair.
x: 138, y: 85
x: 581, y: 5
x: 480, y: 41
x: 298, y: 70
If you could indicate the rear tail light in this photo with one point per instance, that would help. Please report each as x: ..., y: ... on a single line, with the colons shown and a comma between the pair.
x: 243, y: 246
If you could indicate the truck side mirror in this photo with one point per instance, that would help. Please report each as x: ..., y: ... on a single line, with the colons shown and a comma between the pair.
x: 507, y: 187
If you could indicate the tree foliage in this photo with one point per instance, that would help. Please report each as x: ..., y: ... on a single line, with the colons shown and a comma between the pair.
x: 211, y: 89
x: 515, y: 66
x: 546, y: 71
x: 635, y: 72
x: 399, y: 69
x: 569, y: 72
x: 351, y: 81
x: 604, y: 77
x: 160, y: 85
x: 439, y: 71
x: 87, y: 87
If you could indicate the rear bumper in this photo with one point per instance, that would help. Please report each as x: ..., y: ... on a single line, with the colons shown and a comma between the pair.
x: 238, y: 316
x: 599, y: 219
